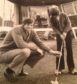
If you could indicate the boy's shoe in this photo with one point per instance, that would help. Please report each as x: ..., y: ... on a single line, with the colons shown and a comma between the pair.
x: 73, y: 72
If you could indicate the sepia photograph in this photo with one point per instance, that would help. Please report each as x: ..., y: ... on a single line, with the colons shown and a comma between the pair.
x: 38, y: 41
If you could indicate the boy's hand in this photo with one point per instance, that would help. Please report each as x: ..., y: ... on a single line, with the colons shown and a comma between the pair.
x: 63, y: 36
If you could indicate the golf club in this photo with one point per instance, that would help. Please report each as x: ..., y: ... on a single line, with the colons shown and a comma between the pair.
x: 56, y: 79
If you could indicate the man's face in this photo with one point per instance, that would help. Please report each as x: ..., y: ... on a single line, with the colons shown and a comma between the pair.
x: 27, y: 26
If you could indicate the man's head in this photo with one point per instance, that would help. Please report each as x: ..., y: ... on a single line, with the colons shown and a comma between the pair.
x: 27, y: 23
x: 54, y: 10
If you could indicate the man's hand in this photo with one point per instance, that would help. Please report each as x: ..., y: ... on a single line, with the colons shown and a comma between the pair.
x: 40, y: 51
x: 35, y: 48
x: 56, y: 53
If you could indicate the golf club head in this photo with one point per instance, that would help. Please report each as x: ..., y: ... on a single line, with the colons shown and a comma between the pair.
x: 54, y: 82
x: 57, y: 72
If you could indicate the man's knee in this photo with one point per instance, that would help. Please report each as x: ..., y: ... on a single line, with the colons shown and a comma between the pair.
x: 26, y: 52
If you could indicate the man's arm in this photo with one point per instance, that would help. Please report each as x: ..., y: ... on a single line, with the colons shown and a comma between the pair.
x: 39, y: 42
x: 41, y: 45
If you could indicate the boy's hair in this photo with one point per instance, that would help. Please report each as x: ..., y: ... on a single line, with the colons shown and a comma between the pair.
x: 54, y: 10
x: 27, y: 21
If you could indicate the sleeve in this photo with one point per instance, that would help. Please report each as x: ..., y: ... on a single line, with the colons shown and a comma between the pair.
x: 39, y: 42
x: 55, y: 29
x: 67, y: 23
x: 18, y: 39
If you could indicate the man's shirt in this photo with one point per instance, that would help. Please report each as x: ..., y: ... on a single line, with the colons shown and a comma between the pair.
x: 18, y: 38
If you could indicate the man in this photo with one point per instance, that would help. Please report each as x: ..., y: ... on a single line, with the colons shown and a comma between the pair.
x: 38, y: 21
x: 16, y: 48
x: 62, y: 26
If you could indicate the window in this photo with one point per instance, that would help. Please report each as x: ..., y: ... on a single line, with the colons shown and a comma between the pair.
x: 75, y: 5
x: 68, y: 8
x: 24, y: 11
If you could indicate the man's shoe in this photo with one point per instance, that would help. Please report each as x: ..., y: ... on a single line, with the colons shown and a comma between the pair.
x: 10, y: 76
x: 23, y: 74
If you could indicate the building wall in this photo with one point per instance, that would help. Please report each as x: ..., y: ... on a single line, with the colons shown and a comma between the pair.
x: 69, y: 8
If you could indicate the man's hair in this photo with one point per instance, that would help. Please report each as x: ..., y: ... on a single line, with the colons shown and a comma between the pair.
x: 54, y: 10
x: 27, y: 21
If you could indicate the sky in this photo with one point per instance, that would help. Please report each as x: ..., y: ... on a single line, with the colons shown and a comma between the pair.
x: 6, y: 9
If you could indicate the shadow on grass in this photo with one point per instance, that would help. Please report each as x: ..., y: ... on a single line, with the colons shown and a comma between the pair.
x: 42, y: 79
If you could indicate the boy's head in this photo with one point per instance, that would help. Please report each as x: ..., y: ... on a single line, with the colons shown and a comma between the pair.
x: 54, y: 10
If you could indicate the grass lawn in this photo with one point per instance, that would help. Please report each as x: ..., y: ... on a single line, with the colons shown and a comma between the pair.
x: 43, y: 71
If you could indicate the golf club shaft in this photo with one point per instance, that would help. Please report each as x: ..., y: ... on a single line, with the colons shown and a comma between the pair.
x: 62, y: 47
